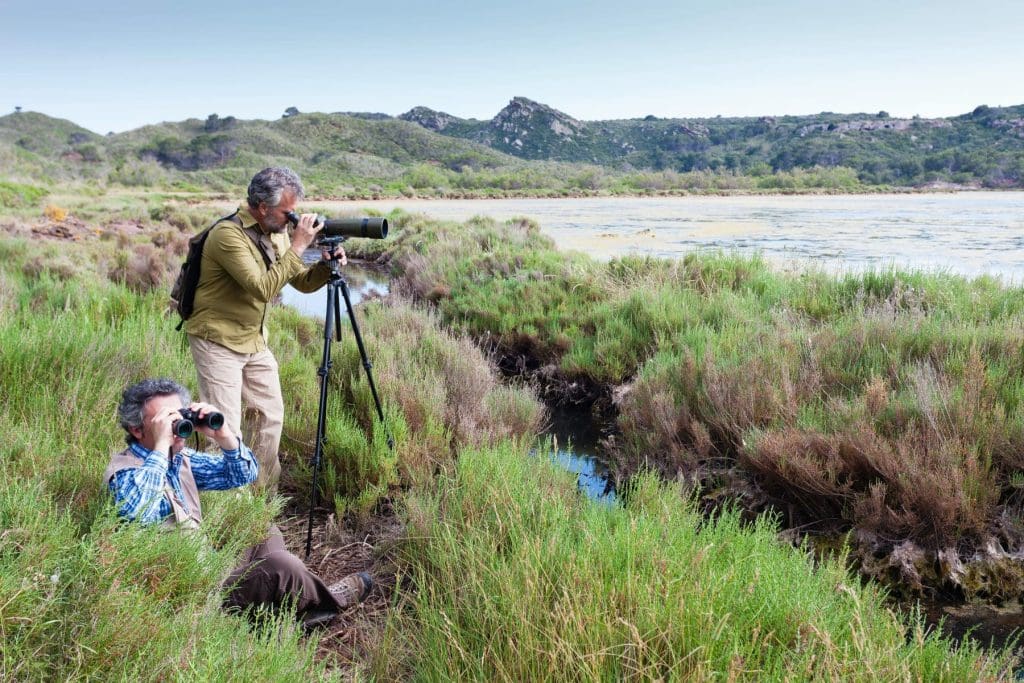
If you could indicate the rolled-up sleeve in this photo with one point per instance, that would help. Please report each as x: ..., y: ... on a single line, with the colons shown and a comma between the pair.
x: 226, y: 470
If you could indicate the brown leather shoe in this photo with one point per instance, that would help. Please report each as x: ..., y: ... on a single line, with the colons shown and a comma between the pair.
x: 352, y: 589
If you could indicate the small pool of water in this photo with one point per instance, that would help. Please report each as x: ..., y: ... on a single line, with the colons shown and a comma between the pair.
x: 363, y: 281
x: 577, y: 448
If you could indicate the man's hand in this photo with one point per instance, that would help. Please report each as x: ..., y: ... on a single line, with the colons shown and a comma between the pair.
x: 160, y: 429
x: 338, y: 254
x: 224, y: 437
x: 305, y: 232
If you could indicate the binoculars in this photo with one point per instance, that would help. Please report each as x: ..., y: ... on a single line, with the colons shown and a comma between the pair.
x: 190, y: 420
x: 372, y: 227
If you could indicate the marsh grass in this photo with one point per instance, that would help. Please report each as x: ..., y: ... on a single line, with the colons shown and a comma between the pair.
x: 883, y: 400
x: 519, y: 578
x: 513, y: 574
x: 81, y: 596
x: 85, y: 597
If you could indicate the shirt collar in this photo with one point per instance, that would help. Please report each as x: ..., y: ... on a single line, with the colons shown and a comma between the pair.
x: 248, y: 221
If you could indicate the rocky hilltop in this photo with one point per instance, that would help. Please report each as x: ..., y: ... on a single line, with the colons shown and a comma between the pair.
x: 982, y: 148
x: 986, y: 144
x: 436, y: 121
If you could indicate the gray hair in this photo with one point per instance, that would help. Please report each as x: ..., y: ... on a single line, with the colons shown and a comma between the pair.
x: 133, y: 401
x: 269, y: 184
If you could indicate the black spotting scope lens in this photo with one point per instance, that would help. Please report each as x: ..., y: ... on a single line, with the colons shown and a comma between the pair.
x: 372, y: 227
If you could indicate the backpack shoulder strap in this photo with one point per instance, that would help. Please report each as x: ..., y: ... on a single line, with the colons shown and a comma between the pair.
x: 253, y: 234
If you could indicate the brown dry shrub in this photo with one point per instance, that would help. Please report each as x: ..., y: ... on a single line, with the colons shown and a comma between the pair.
x: 664, y: 432
x: 938, y: 493
x: 55, y: 213
x: 142, y: 270
x: 660, y: 427
x: 804, y: 469
x: 467, y: 378
x: 60, y: 267
x: 876, y: 397
x: 418, y: 279
x: 935, y: 491
x: 124, y: 241
x: 753, y: 395
x: 171, y: 241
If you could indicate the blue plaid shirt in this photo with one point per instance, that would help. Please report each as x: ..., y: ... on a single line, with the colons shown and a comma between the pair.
x: 136, y: 489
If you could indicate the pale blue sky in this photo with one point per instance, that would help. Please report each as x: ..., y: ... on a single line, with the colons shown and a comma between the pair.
x: 113, y: 65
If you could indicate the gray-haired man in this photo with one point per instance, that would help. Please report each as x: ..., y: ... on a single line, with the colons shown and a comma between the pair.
x: 248, y: 258
x: 157, y: 480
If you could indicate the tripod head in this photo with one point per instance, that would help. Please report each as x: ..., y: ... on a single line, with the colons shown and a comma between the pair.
x: 330, y: 243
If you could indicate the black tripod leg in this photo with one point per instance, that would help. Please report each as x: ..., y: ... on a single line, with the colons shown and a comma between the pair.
x: 321, y: 420
x: 367, y: 366
x: 337, y: 310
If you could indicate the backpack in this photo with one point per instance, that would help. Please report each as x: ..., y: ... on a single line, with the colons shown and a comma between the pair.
x: 183, y: 293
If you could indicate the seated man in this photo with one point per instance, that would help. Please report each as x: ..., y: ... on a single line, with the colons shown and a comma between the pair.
x: 157, y: 480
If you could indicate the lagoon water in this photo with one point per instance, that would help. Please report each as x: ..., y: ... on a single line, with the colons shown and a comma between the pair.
x: 966, y: 233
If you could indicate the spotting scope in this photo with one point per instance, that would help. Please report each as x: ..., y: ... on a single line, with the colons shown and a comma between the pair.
x: 372, y: 227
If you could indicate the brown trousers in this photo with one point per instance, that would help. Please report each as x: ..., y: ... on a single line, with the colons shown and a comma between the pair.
x: 270, y: 576
x: 226, y: 378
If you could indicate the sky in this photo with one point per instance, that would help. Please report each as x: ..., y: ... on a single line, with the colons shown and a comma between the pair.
x: 115, y: 65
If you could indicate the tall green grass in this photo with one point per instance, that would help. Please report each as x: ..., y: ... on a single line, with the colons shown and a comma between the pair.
x: 517, y: 578
x: 513, y: 574
x: 82, y: 597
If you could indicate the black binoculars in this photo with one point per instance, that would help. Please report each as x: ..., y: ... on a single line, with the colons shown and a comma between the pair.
x: 373, y: 227
x: 190, y: 420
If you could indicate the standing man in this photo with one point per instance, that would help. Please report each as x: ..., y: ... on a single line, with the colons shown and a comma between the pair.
x: 248, y: 258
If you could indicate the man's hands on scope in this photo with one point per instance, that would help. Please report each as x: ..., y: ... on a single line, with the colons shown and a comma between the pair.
x: 305, y: 233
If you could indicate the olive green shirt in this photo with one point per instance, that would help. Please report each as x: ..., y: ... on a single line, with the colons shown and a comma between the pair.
x: 236, y: 286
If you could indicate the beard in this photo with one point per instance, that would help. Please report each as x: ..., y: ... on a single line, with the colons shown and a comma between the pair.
x: 273, y: 226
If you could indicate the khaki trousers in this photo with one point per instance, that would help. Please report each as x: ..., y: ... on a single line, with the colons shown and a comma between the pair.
x: 226, y: 380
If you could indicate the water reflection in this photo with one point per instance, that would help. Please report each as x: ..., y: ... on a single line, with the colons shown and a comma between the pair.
x: 363, y: 282
x: 577, y: 448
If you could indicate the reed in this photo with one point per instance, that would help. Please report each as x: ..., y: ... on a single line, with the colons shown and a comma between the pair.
x: 516, y: 577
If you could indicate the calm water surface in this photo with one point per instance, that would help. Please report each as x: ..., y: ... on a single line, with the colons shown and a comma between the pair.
x: 967, y: 233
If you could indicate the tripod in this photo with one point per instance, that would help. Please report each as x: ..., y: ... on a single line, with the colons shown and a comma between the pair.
x: 332, y: 326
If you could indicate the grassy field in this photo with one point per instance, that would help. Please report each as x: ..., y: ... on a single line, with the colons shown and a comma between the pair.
x: 503, y: 572
x: 884, y: 402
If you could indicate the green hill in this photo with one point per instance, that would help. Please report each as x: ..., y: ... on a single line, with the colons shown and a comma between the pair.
x: 527, y: 148
x: 985, y: 146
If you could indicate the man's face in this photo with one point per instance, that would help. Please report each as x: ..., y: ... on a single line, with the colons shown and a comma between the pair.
x: 272, y: 218
x: 158, y: 407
